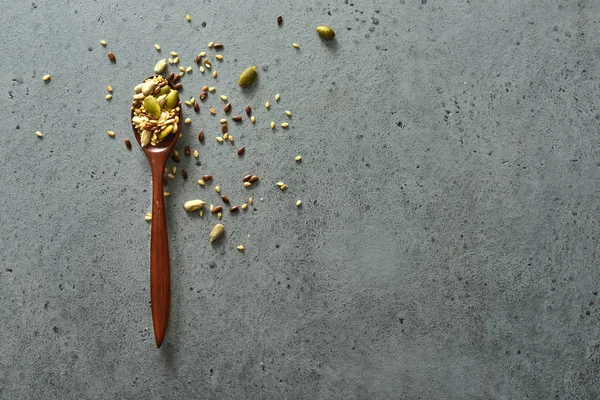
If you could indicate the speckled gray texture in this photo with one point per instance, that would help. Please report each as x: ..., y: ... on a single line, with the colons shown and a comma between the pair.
x: 445, y: 249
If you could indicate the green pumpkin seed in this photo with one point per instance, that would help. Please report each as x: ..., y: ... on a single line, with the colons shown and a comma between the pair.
x: 247, y: 77
x: 152, y: 106
x: 171, y: 100
x: 325, y: 32
x: 164, y: 90
x: 165, y: 132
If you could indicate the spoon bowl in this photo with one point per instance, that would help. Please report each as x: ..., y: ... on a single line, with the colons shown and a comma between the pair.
x: 160, y: 280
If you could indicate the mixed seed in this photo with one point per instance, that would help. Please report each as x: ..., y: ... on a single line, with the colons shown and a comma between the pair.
x: 155, y: 118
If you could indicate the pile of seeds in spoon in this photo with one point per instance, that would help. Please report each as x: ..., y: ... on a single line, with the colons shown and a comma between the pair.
x: 155, y: 118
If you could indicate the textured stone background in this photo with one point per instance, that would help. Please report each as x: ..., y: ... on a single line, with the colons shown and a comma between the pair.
x: 446, y: 248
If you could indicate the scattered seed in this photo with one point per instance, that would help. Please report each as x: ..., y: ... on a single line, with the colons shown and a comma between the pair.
x: 176, y: 153
x: 204, y: 88
x: 211, y: 208
x: 219, y: 139
x: 148, y: 217
x: 127, y: 143
x: 253, y: 119
x: 200, y: 182
x: 248, y: 76
x: 193, y: 100
x: 166, y: 194
x: 188, y: 69
x: 157, y: 46
x: 184, y: 173
x: 216, y: 232
x: 202, y: 54
x: 217, y: 209
x: 240, y: 248
x: 193, y: 205
x: 325, y: 32
x: 298, y: 203
x: 170, y: 60
x: 174, y: 54
x: 272, y: 124
x: 171, y: 75
x: 219, y: 57
x: 296, y: 45
x: 181, y: 69
x: 280, y: 184
x: 176, y: 78
x: 231, y: 138
x: 279, y: 20
x: 241, y: 150
x: 218, y: 189
x: 109, y: 88
x: 288, y: 113
x: 219, y: 215
x: 201, y: 213
x: 39, y: 134
x: 211, y: 44
x: 212, y: 89
x: 175, y: 158
x: 218, y: 46
x: 247, y: 184
x: 188, y: 103
x: 253, y: 178
x: 196, y: 154
x: 277, y: 97
x: 226, y: 136
x: 224, y: 128
x: 250, y: 200
x: 285, y: 125
x: 248, y: 110
x: 187, y: 121
x: 207, y: 177
x: 237, y: 118
x: 225, y: 199
x: 298, y: 158
x: 203, y: 95
x: 268, y: 104
x: 201, y: 137
x: 111, y: 133
x: 223, y: 97
x: 283, y: 187
x: 108, y: 96
x: 188, y: 18
x: 223, y: 121
x: 103, y: 43
x: 112, y: 57
x: 198, y: 59
x: 214, y: 74
x: 46, y: 78
x: 227, y: 108
x: 196, y: 107
x: 244, y: 206
x: 212, y: 111
x: 234, y: 209
x: 207, y: 63
x: 187, y: 150
x: 171, y: 176
x: 178, y: 86
x: 246, y: 178
x: 201, y: 69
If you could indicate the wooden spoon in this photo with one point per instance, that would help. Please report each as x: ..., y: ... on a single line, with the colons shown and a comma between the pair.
x: 160, y: 281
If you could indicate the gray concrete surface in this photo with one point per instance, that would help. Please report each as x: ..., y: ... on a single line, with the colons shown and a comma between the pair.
x: 446, y: 248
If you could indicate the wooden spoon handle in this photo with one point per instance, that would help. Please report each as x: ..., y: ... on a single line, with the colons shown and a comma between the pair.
x: 160, y: 282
